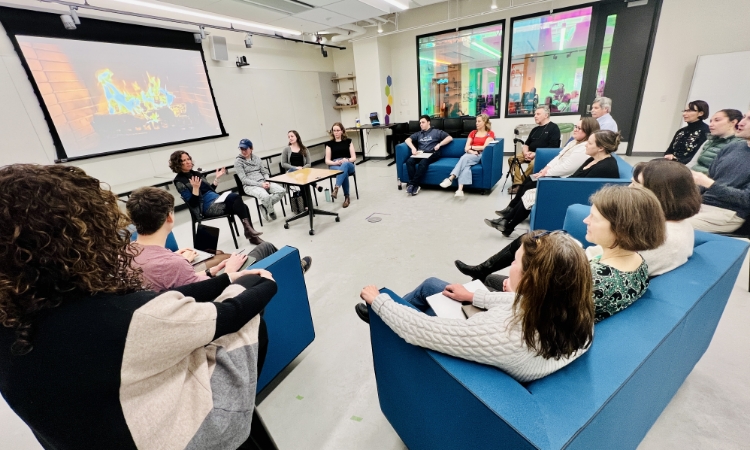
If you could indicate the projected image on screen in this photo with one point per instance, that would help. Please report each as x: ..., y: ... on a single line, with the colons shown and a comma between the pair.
x: 110, y: 97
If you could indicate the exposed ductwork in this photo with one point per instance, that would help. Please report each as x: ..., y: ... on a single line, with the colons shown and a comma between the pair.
x: 348, y: 31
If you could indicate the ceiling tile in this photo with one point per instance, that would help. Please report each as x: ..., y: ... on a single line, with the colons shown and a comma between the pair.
x: 246, y: 11
x: 325, y: 17
x: 427, y: 2
x: 381, y: 5
x: 319, y: 2
x: 355, y: 9
x: 298, y: 24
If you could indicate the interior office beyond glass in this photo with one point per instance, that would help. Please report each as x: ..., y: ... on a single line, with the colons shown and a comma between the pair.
x: 460, y: 72
x: 548, y: 54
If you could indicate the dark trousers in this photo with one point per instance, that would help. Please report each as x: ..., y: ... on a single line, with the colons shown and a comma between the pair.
x: 527, y: 184
x: 518, y: 214
x: 416, y: 167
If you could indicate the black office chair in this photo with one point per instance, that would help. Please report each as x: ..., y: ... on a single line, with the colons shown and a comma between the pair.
x: 437, y: 123
x: 356, y: 189
x: 453, y: 126
x: 197, y: 217
x: 414, y: 126
x: 241, y: 191
x: 469, y: 125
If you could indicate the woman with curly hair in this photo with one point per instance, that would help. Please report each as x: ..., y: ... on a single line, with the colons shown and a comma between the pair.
x: 201, y: 196
x: 90, y: 361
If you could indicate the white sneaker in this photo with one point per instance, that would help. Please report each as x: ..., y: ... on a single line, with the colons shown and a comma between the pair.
x: 265, y: 213
x: 446, y: 183
x: 459, y: 193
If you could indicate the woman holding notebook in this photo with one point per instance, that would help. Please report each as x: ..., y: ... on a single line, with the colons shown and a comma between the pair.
x: 540, y: 327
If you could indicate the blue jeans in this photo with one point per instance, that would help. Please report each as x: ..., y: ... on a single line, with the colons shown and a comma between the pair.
x: 418, y: 297
x: 342, y: 179
x: 462, y: 171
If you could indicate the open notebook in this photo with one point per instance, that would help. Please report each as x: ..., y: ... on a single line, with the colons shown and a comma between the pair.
x: 450, y: 309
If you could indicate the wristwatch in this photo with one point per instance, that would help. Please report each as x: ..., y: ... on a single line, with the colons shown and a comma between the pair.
x: 209, y: 274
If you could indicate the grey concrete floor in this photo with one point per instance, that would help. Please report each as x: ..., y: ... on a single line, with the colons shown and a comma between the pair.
x: 328, y: 400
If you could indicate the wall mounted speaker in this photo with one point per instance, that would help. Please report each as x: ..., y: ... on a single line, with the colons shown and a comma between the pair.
x: 219, y: 50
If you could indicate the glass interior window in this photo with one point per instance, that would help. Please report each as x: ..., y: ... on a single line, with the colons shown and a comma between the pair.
x: 459, y: 72
x: 547, y: 60
x: 601, y: 79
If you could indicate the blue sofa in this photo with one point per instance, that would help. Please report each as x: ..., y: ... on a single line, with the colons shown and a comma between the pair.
x: 606, y: 399
x: 554, y: 195
x: 484, y: 175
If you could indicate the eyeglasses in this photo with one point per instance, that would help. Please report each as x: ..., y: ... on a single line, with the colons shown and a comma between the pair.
x: 689, y: 110
x: 545, y: 233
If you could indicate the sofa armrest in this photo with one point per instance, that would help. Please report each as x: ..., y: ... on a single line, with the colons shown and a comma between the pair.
x: 403, y: 152
x: 554, y: 195
x: 574, y: 222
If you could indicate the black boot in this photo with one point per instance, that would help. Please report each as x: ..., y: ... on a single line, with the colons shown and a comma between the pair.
x: 504, y: 212
x: 496, y: 262
x: 250, y: 232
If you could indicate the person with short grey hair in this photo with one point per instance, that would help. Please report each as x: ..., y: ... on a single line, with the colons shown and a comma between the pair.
x: 600, y: 110
x: 545, y: 135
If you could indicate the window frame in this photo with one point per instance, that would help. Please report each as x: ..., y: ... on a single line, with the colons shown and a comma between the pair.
x: 458, y: 30
x: 589, y: 45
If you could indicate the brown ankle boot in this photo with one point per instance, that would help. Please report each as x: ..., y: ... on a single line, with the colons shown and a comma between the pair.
x: 335, y: 192
x: 346, y: 201
x: 255, y: 240
x: 249, y: 230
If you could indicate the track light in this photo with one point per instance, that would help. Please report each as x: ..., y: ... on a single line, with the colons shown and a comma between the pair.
x: 249, y: 41
x: 380, y: 28
x: 202, y: 31
x: 323, y: 51
x: 74, y: 15
x: 494, y: 4
x: 197, y: 38
x: 68, y: 22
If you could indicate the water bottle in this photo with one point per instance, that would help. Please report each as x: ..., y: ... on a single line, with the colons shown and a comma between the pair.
x: 357, y: 123
x: 328, y: 195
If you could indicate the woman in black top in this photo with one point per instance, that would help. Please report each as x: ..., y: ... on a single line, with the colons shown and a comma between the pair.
x: 340, y: 156
x: 201, y: 196
x: 601, y: 164
x: 689, y: 139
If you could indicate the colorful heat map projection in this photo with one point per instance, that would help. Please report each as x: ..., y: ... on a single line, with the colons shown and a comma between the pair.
x: 106, y: 97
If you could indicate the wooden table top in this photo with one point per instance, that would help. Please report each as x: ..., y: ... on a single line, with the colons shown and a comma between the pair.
x: 304, y: 177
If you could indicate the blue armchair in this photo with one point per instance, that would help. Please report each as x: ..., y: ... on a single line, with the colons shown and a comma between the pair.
x: 554, y: 195
x: 607, y: 398
x: 484, y: 175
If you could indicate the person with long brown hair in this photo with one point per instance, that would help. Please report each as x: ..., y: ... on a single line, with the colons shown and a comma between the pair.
x: 340, y: 155
x: 91, y: 361
x: 295, y: 156
x: 543, y: 325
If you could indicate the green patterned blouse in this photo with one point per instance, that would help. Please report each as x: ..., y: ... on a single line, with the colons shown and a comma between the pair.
x: 615, y: 290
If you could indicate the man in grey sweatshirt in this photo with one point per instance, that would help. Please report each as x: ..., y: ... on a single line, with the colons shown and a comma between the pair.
x: 253, y: 175
x: 726, y: 188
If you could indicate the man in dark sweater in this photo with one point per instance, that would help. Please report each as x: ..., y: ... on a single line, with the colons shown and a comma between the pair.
x: 726, y: 189
x: 428, y: 143
x: 545, y: 135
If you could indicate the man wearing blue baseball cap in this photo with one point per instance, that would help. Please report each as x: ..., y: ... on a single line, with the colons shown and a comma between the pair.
x: 254, y: 175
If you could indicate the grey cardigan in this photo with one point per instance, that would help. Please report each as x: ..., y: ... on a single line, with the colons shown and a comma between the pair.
x: 286, y: 153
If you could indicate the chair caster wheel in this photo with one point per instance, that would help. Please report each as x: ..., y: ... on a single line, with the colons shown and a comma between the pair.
x: 337, y: 219
x: 399, y: 187
x: 312, y: 232
x: 286, y: 226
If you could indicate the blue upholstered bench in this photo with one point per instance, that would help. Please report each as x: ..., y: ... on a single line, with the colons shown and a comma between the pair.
x: 606, y: 399
x: 484, y: 175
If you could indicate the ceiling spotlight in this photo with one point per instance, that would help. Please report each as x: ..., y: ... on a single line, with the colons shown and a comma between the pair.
x: 202, y: 31
x: 494, y: 4
x: 249, y: 41
x: 74, y: 15
x: 68, y: 22
x: 323, y: 51
x: 197, y: 37
x: 380, y: 28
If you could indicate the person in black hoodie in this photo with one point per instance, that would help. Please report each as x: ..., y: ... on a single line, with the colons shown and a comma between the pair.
x: 689, y: 139
x: 601, y: 164
x: 201, y: 196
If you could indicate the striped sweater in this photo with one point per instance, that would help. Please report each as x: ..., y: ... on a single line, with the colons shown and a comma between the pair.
x: 143, y: 370
x: 491, y: 337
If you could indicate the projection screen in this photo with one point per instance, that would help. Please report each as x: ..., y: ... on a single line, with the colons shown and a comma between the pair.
x: 104, y: 98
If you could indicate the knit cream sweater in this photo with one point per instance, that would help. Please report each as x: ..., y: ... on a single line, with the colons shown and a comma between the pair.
x: 490, y: 337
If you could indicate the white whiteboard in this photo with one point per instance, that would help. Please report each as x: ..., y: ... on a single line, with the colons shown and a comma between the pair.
x: 721, y: 81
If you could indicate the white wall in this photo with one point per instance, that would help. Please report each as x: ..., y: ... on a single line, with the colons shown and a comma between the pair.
x: 687, y: 29
x: 240, y: 96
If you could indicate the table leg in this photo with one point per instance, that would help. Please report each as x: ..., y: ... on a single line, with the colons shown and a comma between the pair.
x: 362, y: 146
x: 308, y: 200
